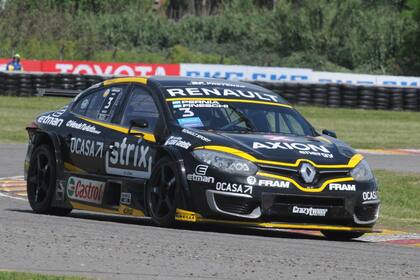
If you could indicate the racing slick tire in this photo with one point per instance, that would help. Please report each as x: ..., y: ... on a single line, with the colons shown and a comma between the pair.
x: 162, y: 193
x: 41, y: 182
x: 341, y: 235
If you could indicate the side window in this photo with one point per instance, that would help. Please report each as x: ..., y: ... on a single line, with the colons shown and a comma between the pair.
x: 100, y: 104
x: 140, y: 105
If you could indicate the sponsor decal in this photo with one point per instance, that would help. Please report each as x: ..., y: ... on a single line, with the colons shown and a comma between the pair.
x: 369, y: 195
x: 278, y: 138
x: 111, y: 96
x: 85, y: 190
x: 198, y: 104
x: 177, y: 141
x: 59, y: 190
x: 305, y: 149
x: 201, y: 169
x: 342, y: 187
x: 233, y: 187
x: 200, y: 175
x: 129, y: 159
x: 221, y: 92
x: 82, y: 126
x: 196, y: 135
x: 190, y: 122
x: 274, y: 184
x: 50, y: 120
x: 251, y: 180
x: 58, y: 113
x: 205, y: 83
x: 309, y: 211
x: 86, y: 147
x: 125, y: 198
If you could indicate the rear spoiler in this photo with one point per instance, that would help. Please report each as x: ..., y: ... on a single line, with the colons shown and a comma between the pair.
x: 57, y: 92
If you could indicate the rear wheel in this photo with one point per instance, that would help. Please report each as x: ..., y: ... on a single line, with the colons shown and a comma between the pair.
x: 341, y: 235
x: 41, y: 181
x: 162, y: 192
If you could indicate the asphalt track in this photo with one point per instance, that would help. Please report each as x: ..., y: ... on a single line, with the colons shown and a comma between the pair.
x: 109, y: 247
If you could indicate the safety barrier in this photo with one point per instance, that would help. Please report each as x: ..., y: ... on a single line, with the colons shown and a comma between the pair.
x: 331, y: 95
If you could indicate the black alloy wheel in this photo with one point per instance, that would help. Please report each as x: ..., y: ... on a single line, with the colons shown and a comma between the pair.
x: 162, y: 193
x: 41, y: 182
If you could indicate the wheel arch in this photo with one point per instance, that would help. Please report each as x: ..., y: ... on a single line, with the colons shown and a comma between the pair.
x: 51, y: 139
x: 176, y: 156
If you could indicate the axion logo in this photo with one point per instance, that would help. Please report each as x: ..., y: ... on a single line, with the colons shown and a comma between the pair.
x: 85, y: 190
x: 305, y: 149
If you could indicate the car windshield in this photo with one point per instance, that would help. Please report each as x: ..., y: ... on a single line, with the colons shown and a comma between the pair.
x: 236, y: 116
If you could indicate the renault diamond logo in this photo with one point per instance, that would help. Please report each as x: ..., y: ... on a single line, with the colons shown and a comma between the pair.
x: 308, y: 172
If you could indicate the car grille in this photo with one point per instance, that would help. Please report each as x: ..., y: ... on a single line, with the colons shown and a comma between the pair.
x: 306, y: 200
x: 237, y: 205
x: 322, y: 176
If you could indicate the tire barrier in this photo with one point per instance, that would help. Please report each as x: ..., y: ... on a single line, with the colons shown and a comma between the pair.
x: 331, y: 95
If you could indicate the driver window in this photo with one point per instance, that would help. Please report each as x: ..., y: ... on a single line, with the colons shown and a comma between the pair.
x: 140, y: 105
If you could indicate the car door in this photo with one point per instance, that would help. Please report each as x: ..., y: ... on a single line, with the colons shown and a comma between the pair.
x: 131, y: 153
x: 90, y: 127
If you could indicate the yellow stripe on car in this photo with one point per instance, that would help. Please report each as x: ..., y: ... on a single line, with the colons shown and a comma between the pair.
x: 189, y: 216
x: 147, y: 136
x: 351, y: 164
x: 140, y: 80
x: 302, y: 188
x: 229, y: 100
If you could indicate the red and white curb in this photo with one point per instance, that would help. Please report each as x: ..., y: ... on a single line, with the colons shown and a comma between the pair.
x: 406, y: 152
x: 15, y: 188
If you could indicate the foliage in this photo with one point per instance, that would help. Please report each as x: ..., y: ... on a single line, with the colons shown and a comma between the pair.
x: 352, y: 35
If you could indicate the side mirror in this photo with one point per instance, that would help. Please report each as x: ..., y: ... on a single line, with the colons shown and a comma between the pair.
x: 137, y: 123
x: 329, y: 133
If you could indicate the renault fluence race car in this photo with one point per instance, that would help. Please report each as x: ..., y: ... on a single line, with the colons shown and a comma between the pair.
x: 197, y: 150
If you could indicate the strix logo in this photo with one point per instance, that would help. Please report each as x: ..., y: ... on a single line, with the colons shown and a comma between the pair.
x: 129, y: 159
x: 307, y: 171
x: 201, y: 169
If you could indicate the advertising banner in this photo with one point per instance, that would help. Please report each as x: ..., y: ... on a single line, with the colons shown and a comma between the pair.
x: 246, y: 73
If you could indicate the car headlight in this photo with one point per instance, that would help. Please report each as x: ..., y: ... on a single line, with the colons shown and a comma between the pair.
x: 226, y: 162
x: 362, y: 172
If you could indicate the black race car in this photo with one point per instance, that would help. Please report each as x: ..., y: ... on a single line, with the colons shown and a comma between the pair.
x: 197, y: 150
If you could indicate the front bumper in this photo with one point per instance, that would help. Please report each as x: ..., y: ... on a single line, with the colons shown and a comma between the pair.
x: 285, y: 203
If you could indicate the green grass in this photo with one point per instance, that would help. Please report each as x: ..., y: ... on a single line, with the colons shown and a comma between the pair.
x: 17, y: 112
x: 400, y: 204
x: 359, y: 128
x: 368, y: 128
x: 5, y: 275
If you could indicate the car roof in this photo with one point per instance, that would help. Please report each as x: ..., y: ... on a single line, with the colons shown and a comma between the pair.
x: 177, y: 81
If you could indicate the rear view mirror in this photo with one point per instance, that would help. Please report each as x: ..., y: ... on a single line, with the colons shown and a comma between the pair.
x: 137, y: 124
x: 329, y: 133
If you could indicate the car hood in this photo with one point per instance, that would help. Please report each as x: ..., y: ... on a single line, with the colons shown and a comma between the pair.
x: 321, y: 150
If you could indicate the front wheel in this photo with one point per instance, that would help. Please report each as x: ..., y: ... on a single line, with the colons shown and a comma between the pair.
x: 162, y: 192
x: 341, y: 235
